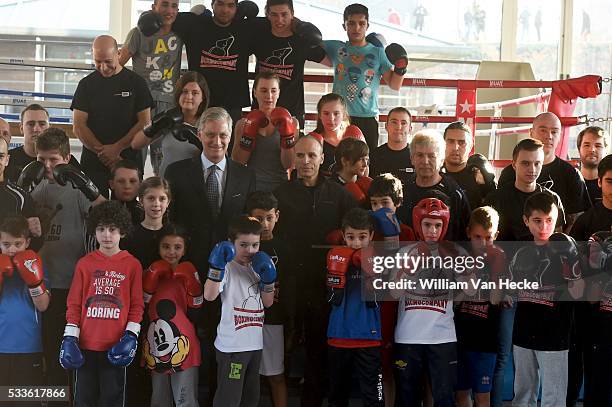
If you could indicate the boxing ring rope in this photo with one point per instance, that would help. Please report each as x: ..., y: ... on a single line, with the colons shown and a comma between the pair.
x: 561, y: 100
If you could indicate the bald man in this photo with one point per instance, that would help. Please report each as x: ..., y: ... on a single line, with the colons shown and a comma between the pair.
x: 311, y: 206
x: 109, y: 107
x: 5, y: 130
x: 557, y: 175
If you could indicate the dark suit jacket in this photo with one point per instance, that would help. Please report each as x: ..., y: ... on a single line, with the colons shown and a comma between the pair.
x: 190, y: 209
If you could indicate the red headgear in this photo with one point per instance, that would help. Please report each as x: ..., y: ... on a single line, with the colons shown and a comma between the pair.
x: 430, y: 208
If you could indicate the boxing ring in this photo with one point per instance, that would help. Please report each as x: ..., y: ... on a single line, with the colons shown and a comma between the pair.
x: 559, y: 99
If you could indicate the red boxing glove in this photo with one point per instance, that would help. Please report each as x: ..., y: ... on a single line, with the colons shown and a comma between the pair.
x: 338, y: 261
x: 157, y: 271
x: 317, y: 136
x: 353, y: 131
x: 254, y: 120
x: 188, y: 274
x: 496, y: 259
x: 588, y: 86
x: 30, y: 268
x: 282, y: 120
x: 6, y: 268
x: 335, y: 238
x: 359, y: 189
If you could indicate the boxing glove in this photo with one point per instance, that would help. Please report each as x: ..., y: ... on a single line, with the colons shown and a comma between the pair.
x: 338, y: 261
x: 221, y: 254
x: 200, y: 9
x: 316, y: 136
x: 188, y: 275
x: 282, y: 120
x: 246, y: 9
x: 386, y: 223
x: 149, y: 23
x: 264, y: 267
x: 254, y: 120
x: 163, y: 121
x: 335, y: 237
x: 565, y: 247
x: 480, y: 162
x: 309, y: 33
x: 124, y: 351
x: 31, y: 175
x: 64, y: 173
x: 398, y: 57
x: 6, y: 268
x: 376, y: 39
x: 185, y: 132
x: 496, y: 260
x: 29, y: 266
x: 599, y: 250
x: 353, y: 131
x: 70, y: 356
x: 359, y: 189
x: 157, y: 271
x: 526, y: 265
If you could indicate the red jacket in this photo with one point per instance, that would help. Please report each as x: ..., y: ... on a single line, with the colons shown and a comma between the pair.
x: 106, y: 293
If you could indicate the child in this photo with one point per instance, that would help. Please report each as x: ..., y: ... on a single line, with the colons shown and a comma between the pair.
x: 278, y: 326
x: 143, y: 242
x: 22, y: 298
x: 351, y: 168
x: 542, y: 321
x: 477, y: 319
x: 124, y: 184
x: 244, y: 277
x: 105, y: 307
x: 425, y: 333
x: 66, y: 207
x: 354, y: 332
x: 171, y: 347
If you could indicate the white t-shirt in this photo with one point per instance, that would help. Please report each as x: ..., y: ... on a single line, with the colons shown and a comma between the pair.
x: 242, y: 311
x: 422, y: 319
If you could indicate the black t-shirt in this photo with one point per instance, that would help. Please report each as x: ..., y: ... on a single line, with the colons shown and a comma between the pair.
x: 383, y: 160
x: 285, y: 56
x: 474, y: 191
x: 594, y: 190
x: 220, y: 54
x: 19, y: 159
x: 112, y: 105
x: 509, y: 202
x: 561, y: 177
x: 457, y: 200
x: 284, y: 297
x: 596, y: 219
x: 542, y: 319
x: 143, y: 244
x: 329, y: 159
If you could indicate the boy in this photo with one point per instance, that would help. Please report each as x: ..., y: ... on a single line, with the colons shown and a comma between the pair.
x: 63, y: 210
x: 279, y: 321
x: 22, y: 298
x: 354, y: 330
x: 124, y: 183
x: 244, y: 277
x: 105, y: 307
x: 542, y: 321
x: 477, y: 318
x: 425, y: 339
x: 358, y: 67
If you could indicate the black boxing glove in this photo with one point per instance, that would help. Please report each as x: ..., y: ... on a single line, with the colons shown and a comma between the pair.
x: 308, y: 33
x: 376, y: 39
x: 188, y: 133
x: 31, y: 175
x: 600, y: 251
x: 564, y: 247
x: 479, y: 161
x: 163, y: 121
x: 398, y: 57
x: 64, y: 173
x: 246, y: 9
x: 149, y: 23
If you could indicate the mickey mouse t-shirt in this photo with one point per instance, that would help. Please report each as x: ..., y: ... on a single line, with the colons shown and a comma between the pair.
x: 357, y: 73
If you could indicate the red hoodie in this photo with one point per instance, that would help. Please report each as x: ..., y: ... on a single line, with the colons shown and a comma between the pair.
x: 106, y: 293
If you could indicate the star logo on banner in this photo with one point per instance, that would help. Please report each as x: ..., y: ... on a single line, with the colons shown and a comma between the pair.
x: 465, y: 107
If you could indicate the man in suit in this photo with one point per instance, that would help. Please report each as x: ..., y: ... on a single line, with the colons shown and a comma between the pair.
x: 207, y: 192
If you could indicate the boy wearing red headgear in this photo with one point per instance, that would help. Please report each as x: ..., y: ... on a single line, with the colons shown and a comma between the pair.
x: 425, y: 337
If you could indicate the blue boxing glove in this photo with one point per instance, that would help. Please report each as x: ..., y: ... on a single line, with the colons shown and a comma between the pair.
x: 124, y: 351
x: 386, y: 223
x: 264, y: 267
x: 221, y: 254
x: 70, y: 356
